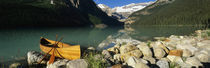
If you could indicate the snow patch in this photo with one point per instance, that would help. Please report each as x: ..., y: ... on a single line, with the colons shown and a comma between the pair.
x: 101, y: 5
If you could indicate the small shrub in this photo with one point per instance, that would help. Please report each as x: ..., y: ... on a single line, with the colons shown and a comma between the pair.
x: 93, y: 62
x: 174, y: 65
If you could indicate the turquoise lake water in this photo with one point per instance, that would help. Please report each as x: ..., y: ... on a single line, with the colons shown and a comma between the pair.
x: 16, y: 42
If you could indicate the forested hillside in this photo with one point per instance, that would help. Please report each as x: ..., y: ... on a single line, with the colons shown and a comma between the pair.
x: 177, y: 12
x: 36, y: 13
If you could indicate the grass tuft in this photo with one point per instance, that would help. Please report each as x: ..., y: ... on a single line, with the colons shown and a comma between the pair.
x: 174, y: 65
x: 93, y: 61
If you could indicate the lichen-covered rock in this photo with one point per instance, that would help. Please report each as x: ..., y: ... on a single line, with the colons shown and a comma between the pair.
x: 60, y: 63
x: 91, y: 48
x: 165, y: 59
x: 114, y: 50
x: 127, y: 48
x: 203, y: 43
x: 159, y: 52
x: 117, y: 46
x: 34, y: 57
x: 106, y: 54
x: 134, y: 62
x: 135, y: 53
x: 144, y: 61
x: 141, y: 65
x: 203, y: 57
x: 145, y: 49
x: 182, y: 51
x: 163, y: 64
x: 159, y: 44
x: 118, y: 57
x: 186, y: 53
x: 79, y: 63
x: 117, y: 66
x: 176, y: 59
x: 150, y: 59
x: 191, y: 48
x: 193, y: 62
x: 15, y: 65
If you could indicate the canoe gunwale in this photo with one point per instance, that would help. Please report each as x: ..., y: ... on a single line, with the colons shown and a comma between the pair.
x: 65, y: 50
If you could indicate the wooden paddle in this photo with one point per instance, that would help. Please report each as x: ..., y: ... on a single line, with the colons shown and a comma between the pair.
x: 52, y: 57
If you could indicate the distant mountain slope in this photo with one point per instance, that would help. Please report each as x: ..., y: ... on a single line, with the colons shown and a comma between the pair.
x: 173, y: 12
x: 33, y: 13
x: 123, y: 12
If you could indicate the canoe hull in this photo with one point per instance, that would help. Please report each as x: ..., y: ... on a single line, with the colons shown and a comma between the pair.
x: 63, y: 51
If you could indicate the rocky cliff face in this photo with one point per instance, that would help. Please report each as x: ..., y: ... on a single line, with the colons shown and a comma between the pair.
x: 110, y: 12
x: 106, y: 9
x: 75, y: 3
x: 89, y: 7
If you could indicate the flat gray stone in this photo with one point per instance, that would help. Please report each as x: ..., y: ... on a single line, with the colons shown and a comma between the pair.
x: 61, y: 63
x: 163, y: 64
x: 34, y: 57
x: 79, y: 63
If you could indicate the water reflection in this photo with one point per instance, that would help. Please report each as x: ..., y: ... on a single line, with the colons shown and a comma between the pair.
x: 144, y: 33
x: 16, y: 42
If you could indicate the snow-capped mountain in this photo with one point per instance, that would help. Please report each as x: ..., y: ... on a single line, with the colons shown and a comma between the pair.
x: 102, y: 6
x: 123, y: 11
x: 132, y: 7
x: 106, y: 9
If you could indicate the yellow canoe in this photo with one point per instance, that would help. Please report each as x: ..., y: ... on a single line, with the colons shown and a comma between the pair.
x: 63, y: 50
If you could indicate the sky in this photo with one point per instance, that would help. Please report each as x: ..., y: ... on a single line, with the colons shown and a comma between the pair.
x: 115, y: 3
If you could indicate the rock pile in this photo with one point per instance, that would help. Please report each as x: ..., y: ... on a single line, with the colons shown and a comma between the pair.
x: 34, y: 57
x: 174, y: 51
x: 171, y: 52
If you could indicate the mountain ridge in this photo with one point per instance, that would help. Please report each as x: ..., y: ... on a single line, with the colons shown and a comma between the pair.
x: 122, y: 12
x: 44, y: 13
x: 173, y: 12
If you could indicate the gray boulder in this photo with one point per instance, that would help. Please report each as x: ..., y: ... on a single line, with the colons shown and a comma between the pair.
x: 80, y: 63
x: 127, y: 48
x: 193, y: 61
x: 176, y: 59
x: 34, y: 57
x: 91, y: 48
x: 163, y: 64
x: 186, y: 53
x: 15, y: 65
x: 137, y: 63
x: 150, y: 59
x: 203, y: 57
x: 141, y: 65
x: 159, y: 52
x: 132, y: 61
x: 58, y: 64
x: 145, y: 49
x: 106, y: 54
x: 117, y: 57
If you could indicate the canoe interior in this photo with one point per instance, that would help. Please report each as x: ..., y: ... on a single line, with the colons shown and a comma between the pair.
x: 63, y: 50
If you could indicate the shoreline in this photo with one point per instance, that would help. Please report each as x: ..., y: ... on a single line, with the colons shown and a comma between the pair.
x: 123, y: 52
